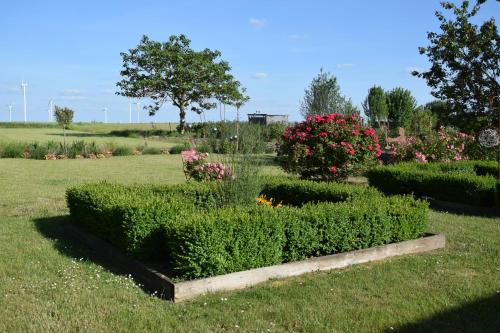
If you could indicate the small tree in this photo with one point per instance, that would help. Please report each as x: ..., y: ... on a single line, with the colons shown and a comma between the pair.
x: 375, y: 105
x: 401, y: 105
x: 64, y: 117
x: 174, y: 72
x: 465, y: 66
x: 323, y: 96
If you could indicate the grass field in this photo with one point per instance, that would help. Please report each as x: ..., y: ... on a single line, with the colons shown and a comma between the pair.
x: 49, y: 284
x: 92, y: 133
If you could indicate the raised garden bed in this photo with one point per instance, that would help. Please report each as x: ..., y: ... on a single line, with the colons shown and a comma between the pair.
x: 157, y: 281
x: 183, y: 229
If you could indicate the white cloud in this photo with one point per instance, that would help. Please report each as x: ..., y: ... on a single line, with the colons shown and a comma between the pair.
x: 72, y: 98
x: 412, y: 68
x: 260, y: 75
x: 345, y: 65
x: 257, y: 23
x: 71, y: 91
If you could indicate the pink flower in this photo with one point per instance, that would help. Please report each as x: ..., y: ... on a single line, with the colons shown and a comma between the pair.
x: 369, y: 132
x: 333, y: 169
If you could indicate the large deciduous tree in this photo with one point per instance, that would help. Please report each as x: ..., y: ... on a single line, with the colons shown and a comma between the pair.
x: 172, y: 71
x: 465, y: 66
x: 401, y: 105
x: 375, y: 104
x: 323, y: 96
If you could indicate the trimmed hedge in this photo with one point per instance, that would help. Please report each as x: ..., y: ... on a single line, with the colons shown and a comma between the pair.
x: 177, y: 223
x: 297, y: 192
x: 462, y: 183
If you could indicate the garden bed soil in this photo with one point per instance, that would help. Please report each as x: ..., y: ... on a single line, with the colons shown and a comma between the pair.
x: 155, y: 278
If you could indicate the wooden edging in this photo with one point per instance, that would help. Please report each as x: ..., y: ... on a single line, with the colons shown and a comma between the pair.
x: 181, y: 291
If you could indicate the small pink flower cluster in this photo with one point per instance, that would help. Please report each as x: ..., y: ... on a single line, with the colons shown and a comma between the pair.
x: 214, y: 171
x: 441, y: 146
x: 196, y: 167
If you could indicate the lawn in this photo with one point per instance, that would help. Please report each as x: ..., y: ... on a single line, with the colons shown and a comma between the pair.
x: 99, y: 134
x: 50, y: 284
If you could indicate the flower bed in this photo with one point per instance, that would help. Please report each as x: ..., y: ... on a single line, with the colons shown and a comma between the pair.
x: 467, y: 182
x: 170, y: 223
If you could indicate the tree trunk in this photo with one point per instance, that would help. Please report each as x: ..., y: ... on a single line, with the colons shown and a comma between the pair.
x: 64, y: 141
x: 182, y: 119
x: 237, y: 128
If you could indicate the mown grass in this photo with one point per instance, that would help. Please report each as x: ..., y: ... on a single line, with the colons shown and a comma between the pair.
x: 42, y: 135
x: 49, y: 284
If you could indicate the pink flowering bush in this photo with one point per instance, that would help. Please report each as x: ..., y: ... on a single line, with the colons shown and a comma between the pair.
x: 443, y: 146
x: 196, y: 167
x: 330, y: 147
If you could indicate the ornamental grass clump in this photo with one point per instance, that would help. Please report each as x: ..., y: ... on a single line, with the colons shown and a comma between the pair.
x: 330, y: 147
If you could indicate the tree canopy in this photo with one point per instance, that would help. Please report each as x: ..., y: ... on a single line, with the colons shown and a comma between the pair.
x: 375, y: 104
x: 172, y: 71
x: 323, y: 96
x: 465, y: 66
x: 401, y: 105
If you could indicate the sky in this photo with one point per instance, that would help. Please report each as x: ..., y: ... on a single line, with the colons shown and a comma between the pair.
x: 70, y: 51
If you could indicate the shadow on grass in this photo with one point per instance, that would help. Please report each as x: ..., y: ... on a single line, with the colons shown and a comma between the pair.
x: 482, y: 315
x: 56, y: 229
x: 84, y: 135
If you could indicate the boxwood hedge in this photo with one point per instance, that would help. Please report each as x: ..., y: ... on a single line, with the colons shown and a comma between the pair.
x: 174, y: 223
x: 469, y: 182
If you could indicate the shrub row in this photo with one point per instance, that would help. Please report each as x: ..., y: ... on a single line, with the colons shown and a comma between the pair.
x: 461, y: 183
x: 297, y: 192
x: 240, y: 238
x: 172, y: 223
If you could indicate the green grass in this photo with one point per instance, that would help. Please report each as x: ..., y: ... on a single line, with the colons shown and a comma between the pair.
x: 50, y: 284
x: 42, y: 135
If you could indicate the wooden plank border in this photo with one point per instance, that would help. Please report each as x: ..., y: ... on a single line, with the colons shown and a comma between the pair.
x: 181, y: 291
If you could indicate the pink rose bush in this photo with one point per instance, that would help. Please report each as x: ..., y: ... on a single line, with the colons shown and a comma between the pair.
x: 443, y: 146
x: 196, y: 167
x: 330, y: 147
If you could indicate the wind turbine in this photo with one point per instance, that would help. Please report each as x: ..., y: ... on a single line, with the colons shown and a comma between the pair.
x: 23, y: 86
x: 138, y: 104
x: 51, y: 109
x: 105, y: 109
x: 10, y: 106
x: 129, y: 111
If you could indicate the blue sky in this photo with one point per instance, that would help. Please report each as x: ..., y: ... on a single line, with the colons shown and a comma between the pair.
x: 70, y: 51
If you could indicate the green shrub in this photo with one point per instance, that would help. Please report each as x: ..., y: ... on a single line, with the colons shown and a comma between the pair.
x: 297, y: 192
x: 151, y: 151
x: 37, y: 151
x: 130, y: 218
x: 224, y: 240
x: 122, y: 151
x: 12, y: 150
x: 435, y: 182
x: 76, y: 148
x: 177, y: 149
x: 239, y: 238
x: 178, y: 224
